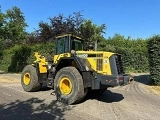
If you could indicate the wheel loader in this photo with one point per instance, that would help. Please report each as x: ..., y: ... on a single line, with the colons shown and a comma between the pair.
x: 73, y: 71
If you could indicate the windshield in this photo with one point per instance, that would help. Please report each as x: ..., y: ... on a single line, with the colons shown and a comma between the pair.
x: 77, y: 44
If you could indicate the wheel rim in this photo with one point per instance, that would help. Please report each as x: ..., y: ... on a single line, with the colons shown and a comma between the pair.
x: 26, y: 78
x: 65, y: 86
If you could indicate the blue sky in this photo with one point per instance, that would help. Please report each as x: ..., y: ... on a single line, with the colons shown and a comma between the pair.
x: 134, y: 18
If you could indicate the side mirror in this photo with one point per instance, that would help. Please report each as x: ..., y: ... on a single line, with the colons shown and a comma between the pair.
x: 90, y: 48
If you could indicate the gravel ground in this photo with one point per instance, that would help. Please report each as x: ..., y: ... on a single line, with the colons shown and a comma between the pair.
x: 129, y: 102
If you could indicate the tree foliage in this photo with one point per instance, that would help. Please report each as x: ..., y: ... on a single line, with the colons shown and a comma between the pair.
x: 92, y: 32
x: 73, y: 24
x: 12, y: 26
x: 2, y: 33
x: 58, y: 25
x: 2, y: 22
x: 70, y: 24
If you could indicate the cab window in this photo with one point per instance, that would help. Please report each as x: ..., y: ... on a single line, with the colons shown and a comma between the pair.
x: 77, y: 44
x: 62, y: 45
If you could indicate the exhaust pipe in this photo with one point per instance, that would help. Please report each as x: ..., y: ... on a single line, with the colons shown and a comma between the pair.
x: 127, y: 79
x: 130, y: 80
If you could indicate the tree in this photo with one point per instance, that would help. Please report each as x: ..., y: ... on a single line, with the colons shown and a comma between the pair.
x: 59, y: 25
x: 70, y: 24
x: 2, y: 23
x: 2, y: 32
x: 92, y: 33
x: 73, y: 24
x: 15, y: 26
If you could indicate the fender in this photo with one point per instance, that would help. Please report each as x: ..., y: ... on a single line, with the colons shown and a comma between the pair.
x: 81, y: 63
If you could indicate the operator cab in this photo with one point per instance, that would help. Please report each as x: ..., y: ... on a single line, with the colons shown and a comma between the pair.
x: 66, y: 43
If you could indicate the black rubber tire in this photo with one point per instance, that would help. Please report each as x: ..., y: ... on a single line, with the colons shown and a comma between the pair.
x: 77, y: 92
x: 83, y: 97
x: 34, y: 85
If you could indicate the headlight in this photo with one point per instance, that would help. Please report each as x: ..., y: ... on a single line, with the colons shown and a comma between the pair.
x: 49, y: 66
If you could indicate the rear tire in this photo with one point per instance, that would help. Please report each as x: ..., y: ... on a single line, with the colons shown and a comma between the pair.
x: 75, y: 89
x: 29, y: 79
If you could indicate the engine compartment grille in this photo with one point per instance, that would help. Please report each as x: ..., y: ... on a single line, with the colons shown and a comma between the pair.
x: 119, y: 64
x: 99, y: 66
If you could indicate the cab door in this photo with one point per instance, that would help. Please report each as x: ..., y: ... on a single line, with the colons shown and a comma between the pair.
x: 62, y: 48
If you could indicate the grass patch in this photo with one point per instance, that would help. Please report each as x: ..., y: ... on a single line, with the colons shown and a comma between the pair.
x: 154, y: 89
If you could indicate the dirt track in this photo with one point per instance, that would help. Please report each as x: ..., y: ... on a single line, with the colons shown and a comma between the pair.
x: 130, y: 102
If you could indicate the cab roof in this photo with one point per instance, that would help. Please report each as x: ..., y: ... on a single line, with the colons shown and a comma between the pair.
x: 60, y: 36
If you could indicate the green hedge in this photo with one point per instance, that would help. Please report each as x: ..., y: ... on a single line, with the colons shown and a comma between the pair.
x: 1, y: 48
x: 14, y: 59
x: 154, y: 58
x: 134, y: 54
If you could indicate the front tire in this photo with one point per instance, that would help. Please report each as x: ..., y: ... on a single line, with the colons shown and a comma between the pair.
x: 68, y: 85
x: 29, y: 79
